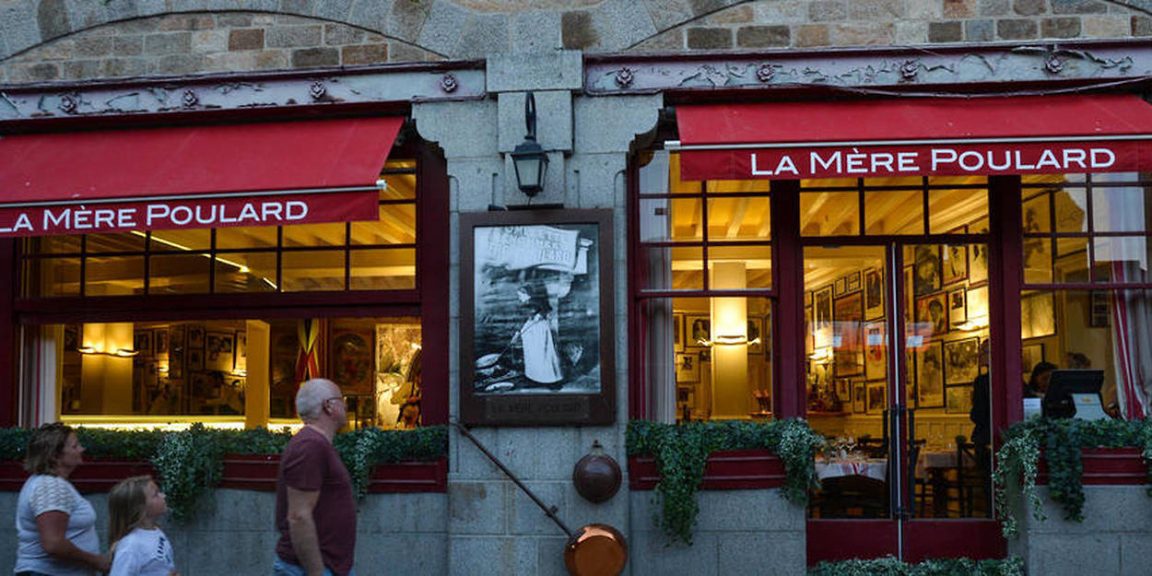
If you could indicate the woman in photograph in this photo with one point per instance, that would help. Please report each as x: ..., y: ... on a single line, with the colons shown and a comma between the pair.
x: 537, y: 340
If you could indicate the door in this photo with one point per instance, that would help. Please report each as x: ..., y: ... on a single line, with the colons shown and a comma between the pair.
x: 895, y: 382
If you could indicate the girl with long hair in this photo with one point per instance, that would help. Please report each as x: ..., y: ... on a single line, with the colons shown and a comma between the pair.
x: 139, y: 546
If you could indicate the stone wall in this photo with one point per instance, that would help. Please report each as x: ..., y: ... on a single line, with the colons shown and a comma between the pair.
x: 1115, y: 538
x: 234, y: 534
x: 49, y: 40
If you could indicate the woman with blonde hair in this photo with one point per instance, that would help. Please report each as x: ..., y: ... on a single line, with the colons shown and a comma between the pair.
x: 55, y: 525
x: 139, y: 546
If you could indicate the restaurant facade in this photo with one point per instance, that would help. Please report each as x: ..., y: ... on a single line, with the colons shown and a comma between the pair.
x: 749, y: 211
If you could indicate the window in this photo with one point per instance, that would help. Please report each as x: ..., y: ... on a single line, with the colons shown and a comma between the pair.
x: 1086, y: 297
x: 704, y: 289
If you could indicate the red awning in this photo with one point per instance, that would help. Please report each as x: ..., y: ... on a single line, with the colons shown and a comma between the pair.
x: 906, y: 137
x: 193, y: 176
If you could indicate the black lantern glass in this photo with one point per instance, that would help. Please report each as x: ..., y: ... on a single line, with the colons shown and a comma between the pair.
x: 529, y: 159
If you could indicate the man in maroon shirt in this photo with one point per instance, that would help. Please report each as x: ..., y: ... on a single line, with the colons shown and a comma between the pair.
x: 315, y: 507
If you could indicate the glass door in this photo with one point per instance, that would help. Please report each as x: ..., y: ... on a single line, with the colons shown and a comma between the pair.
x: 895, y: 382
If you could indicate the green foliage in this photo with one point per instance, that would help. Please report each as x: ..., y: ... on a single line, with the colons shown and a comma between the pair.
x: 189, y: 463
x: 13, y: 443
x: 1013, y: 566
x: 1061, y: 441
x: 682, y: 451
x: 101, y: 443
x: 367, y: 447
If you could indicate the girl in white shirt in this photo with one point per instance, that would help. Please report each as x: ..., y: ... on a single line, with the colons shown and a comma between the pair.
x: 139, y: 547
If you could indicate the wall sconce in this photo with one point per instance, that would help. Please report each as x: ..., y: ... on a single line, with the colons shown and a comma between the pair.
x: 119, y: 353
x: 529, y: 158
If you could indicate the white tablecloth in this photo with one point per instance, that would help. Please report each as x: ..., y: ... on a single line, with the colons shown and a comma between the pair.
x: 872, y: 468
x: 935, y: 459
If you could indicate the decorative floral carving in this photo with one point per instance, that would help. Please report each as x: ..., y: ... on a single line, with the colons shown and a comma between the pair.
x: 317, y: 90
x: 765, y: 72
x: 624, y: 77
x: 190, y: 99
x: 448, y: 83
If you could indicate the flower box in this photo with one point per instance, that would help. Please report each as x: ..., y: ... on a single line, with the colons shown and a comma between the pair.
x: 1106, y: 466
x: 726, y: 470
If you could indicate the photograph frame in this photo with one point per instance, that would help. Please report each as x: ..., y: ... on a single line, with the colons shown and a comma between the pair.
x: 219, y: 350
x: 160, y: 342
x: 697, y: 327
x: 875, y: 350
x: 677, y: 331
x: 848, y: 315
x: 930, y: 375
x: 961, y: 361
x: 859, y: 398
x: 822, y: 309
x: 954, y: 261
x: 687, y: 369
x: 877, y: 401
x: 927, y: 276
x: 853, y: 282
x: 873, y: 293
x: 352, y: 360
x: 499, y: 252
x: 957, y: 399
x: 142, y: 342
x: 927, y: 326
x: 957, y: 307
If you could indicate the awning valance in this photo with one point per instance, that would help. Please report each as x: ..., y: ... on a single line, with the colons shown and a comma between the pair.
x: 193, y: 176
x: 907, y: 137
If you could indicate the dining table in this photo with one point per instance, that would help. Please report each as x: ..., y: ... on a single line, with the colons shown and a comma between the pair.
x: 875, y: 468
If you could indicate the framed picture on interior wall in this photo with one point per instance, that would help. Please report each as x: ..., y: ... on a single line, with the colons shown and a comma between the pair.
x: 847, y: 349
x: 859, y: 398
x: 141, y: 343
x: 932, y: 316
x: 219, y: 351
x: 241, y: 364
x: 160, y: 342
x: 1037, y: 315
x: 977, y: 263
x: 873, y: 293
x: 841, y: 285
x: 1037, y: 257
x: 1030, y: 356
x: 756, y: 335
x: 844, y: 390
x: 195, y: 336
x: 875, y: 351
x: 195, y: 360
x: 957, y: 307
x: 876, y: 401
x: 823, y: 309
x: 697, y: 332
x: 854, y: 282
x: 955, y: 263
x: 961, y: 361
x: 678, y: 332
x: 958, y: 399
x: 909, y: 294
x: 536, y: 318
x: 1099, y: 311
x: 930, y: 375
x: 350, y: 362
x: 687, y: 369
x: 926, y: 277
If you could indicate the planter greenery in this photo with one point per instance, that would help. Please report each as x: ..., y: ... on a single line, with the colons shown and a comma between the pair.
x: 681, y: 451
x: 1060, y: 442
x: 189, y: 462
x: 942, y: 567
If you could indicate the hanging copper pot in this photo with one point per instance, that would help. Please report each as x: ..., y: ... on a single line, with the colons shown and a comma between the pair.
x: 597, y: 550
x: 597, y: 476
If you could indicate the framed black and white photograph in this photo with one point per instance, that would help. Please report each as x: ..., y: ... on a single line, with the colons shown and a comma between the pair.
x: 219, y: 351
x: 875, y: 351
x: 957, y: 307
x: 961, y: 361
x: 958, y: 400
x: 955, y: 265
x: 930, y: 376
x: 927, y: 277
x: 841, y: 285
x: 823, y: 309
x: 678, y: 332
x: 687, y: 369
x: 859, y: 400
x: 876, y: 399
x: 536, y: 318
x: 853, y: 280
x: 697, y: 331
x: 873, y: 293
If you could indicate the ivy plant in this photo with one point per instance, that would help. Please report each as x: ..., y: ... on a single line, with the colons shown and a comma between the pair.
x: 1060, y: 442
x: 365, y: 448
x: 1012, y: 566
x: 681, y: 451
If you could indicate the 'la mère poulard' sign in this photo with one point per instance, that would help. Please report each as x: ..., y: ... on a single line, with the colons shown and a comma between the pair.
x: 914, y: 160
x: 198, y: 213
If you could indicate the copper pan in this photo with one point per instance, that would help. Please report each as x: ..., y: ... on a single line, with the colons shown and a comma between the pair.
x: 594, y: 550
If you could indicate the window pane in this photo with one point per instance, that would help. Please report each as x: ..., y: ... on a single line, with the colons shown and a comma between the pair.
x: 1071, y: 210
x: 312, y: 270
x: 399, y: 187
x: 1123, y: 259
x: 654, y: 172
x: 51, y: 245
x: 678, y: 268
x: 1072, y: 260
x: 182, y: 273
x: 187, y: 239
x: 246, y: 237
x: 829, y: 214
x: 246, y: 272
x: 754, y: 266
x: 1036, y: 213
x: 744, y: 218
x: 383, y: 269
x: 1037, y: 260
x: 949, y: 210
x: 663, y: 219
x: 125, y: 242
x: 330, y: 234
x: 893, y: 212
x: 1121, y: 209
x: 49, y: 277
x: 114, y: 276
x: 397, y: 225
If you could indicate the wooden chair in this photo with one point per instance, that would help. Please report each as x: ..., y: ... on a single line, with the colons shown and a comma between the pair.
x: 972, y: 479
x: 872, y: 447
x: 918, y: 486
x: 853, y: 496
